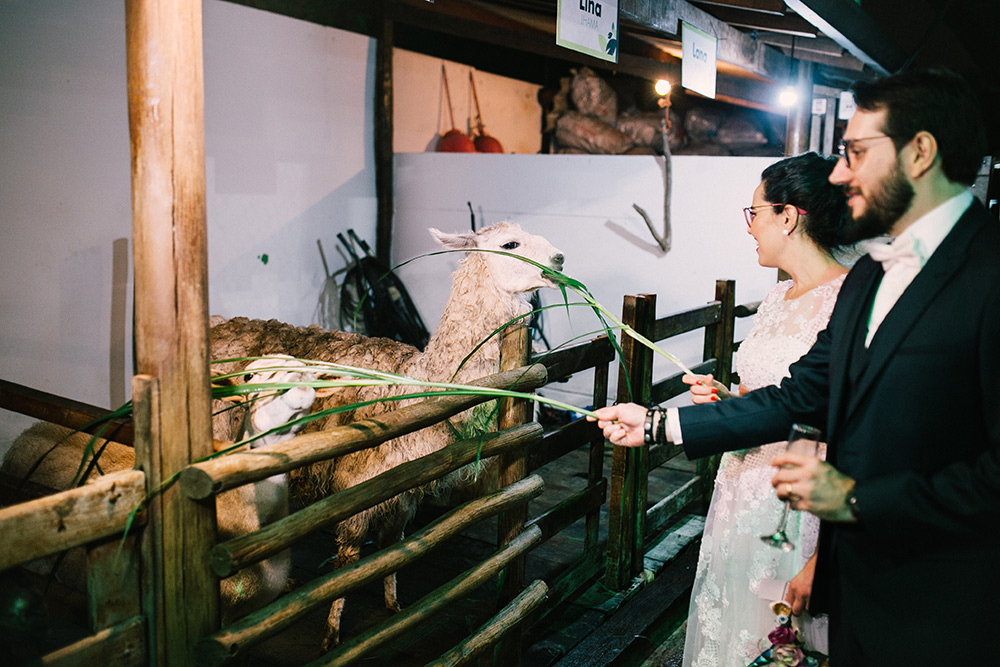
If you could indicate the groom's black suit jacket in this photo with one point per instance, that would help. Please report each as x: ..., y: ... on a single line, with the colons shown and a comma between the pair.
x: 915, y: 420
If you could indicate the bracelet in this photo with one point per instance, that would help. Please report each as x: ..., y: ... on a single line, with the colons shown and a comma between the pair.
x: 661, y: 428
x: 647, y: 428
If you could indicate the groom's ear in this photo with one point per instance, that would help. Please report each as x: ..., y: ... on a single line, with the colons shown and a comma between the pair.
x: 925, y: 154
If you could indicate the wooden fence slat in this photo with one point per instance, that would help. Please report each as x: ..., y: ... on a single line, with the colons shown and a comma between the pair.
x: 576, y: 358
x: 662, y: 512
x: 487, y: 635
x: 201, y: 480
x: 630, y: 465
x: 238, y: 637
x: 123, y: 645
x: 512, y: 465
x: 562, y: 441
x: 71, y: 518
x: 237, y: 553
x: 686, y: 320
x: 59, y: 410
x: 113, y: 592
x: 563, y: 515
x: 417, y: 613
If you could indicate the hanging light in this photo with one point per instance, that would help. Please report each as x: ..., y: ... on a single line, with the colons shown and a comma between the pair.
x: 788, y: 97
x: 662, y: 87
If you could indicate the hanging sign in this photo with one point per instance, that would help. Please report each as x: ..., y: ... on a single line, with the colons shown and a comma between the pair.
x: 589, y: 26
x: 698, y: 60
x: 847, y: 105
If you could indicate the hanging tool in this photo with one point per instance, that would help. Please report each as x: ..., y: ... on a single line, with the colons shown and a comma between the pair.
x: 454, y: 140
x: 483, y: 142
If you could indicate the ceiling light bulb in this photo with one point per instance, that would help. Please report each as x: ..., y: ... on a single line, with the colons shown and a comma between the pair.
x: 788, y: 97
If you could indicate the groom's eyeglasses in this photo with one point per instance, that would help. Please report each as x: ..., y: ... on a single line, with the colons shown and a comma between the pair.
x: 849, y: 148
x: 750, y: 212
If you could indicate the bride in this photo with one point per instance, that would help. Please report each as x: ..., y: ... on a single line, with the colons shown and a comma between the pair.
x: 796, y: 219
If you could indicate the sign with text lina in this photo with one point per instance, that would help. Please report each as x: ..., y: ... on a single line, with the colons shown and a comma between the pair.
x: 589, y: 26
x: 698, y: 62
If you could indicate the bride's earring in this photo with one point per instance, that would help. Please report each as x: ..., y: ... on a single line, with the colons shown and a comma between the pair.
x: 785, y: 232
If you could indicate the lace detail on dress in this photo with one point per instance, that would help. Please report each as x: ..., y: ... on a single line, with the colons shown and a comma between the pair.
x: 730, y: 618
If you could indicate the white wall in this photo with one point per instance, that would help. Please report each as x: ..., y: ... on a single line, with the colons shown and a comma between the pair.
x: 288, y: 121
x: 583, y: 205
x: 509, y: 108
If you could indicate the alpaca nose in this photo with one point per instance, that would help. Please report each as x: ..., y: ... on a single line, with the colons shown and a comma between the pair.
x: 557, y: 261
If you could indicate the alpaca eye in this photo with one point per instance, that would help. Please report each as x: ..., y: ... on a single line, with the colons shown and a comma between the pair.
x: 511, y: 245
x: 247, y: 378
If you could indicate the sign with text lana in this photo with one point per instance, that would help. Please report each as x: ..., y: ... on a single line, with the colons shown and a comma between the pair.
x: 589, y: 26
x: 698, y: 61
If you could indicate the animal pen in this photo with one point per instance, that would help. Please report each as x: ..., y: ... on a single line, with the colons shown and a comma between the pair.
x: 153, y: 578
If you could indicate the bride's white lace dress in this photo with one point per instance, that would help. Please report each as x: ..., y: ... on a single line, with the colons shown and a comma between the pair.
x: 730, y: 613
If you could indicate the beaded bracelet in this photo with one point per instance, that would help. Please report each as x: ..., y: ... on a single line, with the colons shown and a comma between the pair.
x: 661, y: 428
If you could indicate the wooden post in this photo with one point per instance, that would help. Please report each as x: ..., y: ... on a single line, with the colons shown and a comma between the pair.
x: 383, y: 132
x: 630, y: 465
x: 514, y: 351
x: 166, y: 127
x: 718, y: 346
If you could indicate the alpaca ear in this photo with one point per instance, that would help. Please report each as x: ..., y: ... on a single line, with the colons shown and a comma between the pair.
x: 454, y: 241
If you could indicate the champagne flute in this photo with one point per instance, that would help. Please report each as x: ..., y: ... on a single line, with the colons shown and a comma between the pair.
x: 802, y: 439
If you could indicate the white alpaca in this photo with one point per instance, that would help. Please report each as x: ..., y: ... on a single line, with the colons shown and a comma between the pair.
x: 239, y: 511
x: 488, y: 291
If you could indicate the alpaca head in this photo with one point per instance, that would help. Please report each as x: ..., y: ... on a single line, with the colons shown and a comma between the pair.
x: 509, y: 274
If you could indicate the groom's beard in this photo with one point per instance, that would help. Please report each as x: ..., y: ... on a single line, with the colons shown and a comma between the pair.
x: 884, y: 205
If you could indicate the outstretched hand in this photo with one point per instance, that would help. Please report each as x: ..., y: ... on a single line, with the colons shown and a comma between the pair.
x: 622, y: 424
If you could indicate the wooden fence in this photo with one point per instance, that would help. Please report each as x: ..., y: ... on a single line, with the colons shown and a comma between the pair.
x: 126, y: 619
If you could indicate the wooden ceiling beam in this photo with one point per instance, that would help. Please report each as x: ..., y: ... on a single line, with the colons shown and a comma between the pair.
x: 848, y: 25
x: 734, y: 46
x: 789, y: 24
x: 776, y: 7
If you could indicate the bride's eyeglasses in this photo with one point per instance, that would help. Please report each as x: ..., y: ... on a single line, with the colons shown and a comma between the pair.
x: 750, y: 212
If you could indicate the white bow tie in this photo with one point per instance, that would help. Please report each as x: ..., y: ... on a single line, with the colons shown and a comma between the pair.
x: 900, y: 252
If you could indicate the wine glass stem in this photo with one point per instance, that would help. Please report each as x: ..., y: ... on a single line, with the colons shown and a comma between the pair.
x: 784, y: 518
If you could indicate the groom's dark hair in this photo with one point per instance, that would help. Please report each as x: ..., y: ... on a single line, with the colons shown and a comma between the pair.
x: 937, y: 101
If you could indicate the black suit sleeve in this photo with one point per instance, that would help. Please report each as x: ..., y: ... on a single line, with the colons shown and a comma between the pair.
x: 764, y: 415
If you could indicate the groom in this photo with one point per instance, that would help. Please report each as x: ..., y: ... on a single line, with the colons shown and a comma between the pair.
x: 906, y: 382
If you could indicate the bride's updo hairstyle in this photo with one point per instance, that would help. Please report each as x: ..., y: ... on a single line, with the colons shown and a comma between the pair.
x: 803, y: 181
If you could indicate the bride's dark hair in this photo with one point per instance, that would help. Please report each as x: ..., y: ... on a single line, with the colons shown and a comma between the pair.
x: 803, y: 181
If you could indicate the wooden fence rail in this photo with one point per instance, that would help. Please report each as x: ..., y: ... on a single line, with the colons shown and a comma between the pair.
x: 445, y: 595
x: 237, y: 638
x: 48, y: 525
x: 201, y: 480
x: 113, y: 497
x: 237, y: 553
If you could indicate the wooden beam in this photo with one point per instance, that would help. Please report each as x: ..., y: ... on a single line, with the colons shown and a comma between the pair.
x: 515, y: 348
x: 62, y: 411
x: 383, y: 124
x: 776, y: 7
x: 790, y: 24
x: 847, y: 24
x: 734, y: 46
x: 166, y: 126
x: 69, y: 519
